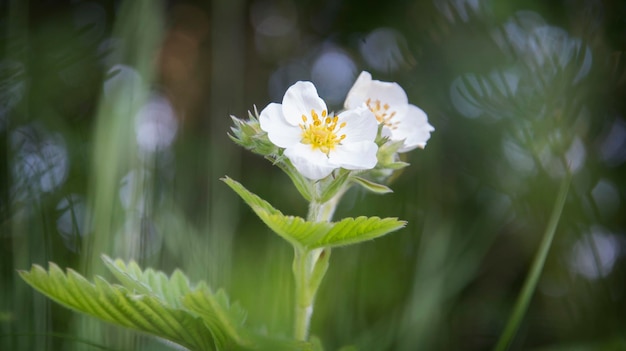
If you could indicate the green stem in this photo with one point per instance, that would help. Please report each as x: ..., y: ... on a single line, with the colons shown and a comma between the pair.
x: 304, y: 298
x: 523, y: 300
x: 309, y: 268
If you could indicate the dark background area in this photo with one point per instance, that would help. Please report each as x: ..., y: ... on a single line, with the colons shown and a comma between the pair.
x: 113, y: 134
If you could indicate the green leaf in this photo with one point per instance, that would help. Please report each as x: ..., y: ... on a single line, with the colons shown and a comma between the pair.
x: 371, y: 186
x: 312, y: 235
x: 291, y: 228
x: 355, y: 230
x: 202, y: 320
x: 149, y: 281
x: 119, y: 305
x: 218, y: 314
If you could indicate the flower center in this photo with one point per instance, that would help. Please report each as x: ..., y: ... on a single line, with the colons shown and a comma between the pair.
x: 382, y: 113
x: 321, y: 133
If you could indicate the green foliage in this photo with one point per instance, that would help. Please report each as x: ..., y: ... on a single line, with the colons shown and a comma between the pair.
x: 149, y: 281
x: 355, y: 230
x: 313, y: 235
x: 303, y: 185
x: 222, y: 318
x: 336, y: 186
x: 371, y: 186
x: 122, y: 306
x: 250, y: 135
x: 150, y: 302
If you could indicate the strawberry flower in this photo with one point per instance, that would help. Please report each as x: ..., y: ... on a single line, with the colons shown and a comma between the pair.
x: 315, y: 141
x: 390, y: 105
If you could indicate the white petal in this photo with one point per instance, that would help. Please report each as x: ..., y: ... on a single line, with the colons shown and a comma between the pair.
x: 388, y: 93
x: 361, y: 125
x: 312, y: 164
x: 358, y: 93
x: 414, y: 129
x: 281, y: 133
x: 359, y: 155
x: 299, y: 100
x: 385, y: 93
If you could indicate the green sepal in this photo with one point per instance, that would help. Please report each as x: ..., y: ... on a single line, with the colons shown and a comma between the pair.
x: 334, y: 186
x: 250, y: 135
x: 371, y: 186
x: 310, y: 235
x: 388, y: 147
x: 397, y: 165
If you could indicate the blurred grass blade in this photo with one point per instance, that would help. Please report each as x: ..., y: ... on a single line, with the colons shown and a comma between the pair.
x: 523, y: 300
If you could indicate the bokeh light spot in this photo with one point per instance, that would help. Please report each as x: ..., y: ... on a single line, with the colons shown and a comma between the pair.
x: 156, y: 124
x: 333, y: 73
x: 594, y: 255
x: 606, y: 196
x: 383, y: 49
x: 74, y: 221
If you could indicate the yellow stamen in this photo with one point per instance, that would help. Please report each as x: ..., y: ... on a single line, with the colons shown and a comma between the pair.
x: 322, y: 134
x: 383, y: 115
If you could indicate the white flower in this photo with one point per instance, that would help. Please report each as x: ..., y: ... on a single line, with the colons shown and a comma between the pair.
x: 390, y: 105
x: 315, y: 142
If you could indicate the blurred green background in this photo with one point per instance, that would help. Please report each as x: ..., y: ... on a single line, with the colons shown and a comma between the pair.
x: 113, y: 133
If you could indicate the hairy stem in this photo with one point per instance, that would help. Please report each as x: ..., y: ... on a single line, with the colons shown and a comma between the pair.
x: 309, y: 268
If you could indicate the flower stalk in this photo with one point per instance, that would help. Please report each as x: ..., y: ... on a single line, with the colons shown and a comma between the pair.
x: 310, y: 266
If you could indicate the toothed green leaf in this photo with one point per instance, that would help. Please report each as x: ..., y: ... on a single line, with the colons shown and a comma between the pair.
x: 291, y: 228
x: 153, y: 303
x: 316, y: 234
x: 118, y: 305
x: 218, y: 314
x: 149, y: 281
x: 355, y: 230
